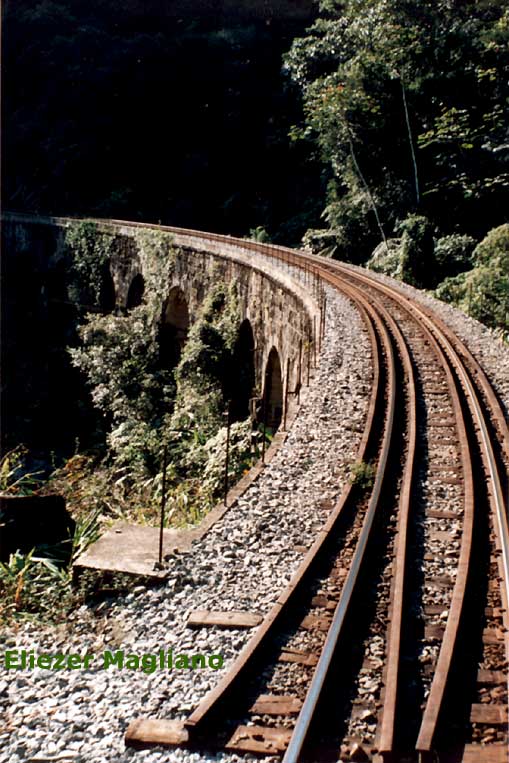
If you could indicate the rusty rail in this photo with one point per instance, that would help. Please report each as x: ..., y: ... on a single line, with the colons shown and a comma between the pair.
x: 466, y: 380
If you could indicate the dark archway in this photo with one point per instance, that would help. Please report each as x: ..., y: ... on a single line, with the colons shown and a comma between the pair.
x: 107, y: 297
x: 136, y: 292
x: 241, y: 379
x: 174, y: 328
x: 273, y: 391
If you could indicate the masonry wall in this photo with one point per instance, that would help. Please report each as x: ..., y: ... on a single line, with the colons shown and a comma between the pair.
x: 41, y: 387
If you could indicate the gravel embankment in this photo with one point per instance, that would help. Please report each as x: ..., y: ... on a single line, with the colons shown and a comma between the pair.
x: 491, y: 353
x: 243, y: 563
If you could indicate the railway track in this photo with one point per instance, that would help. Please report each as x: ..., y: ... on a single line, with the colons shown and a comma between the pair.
x: 393, y: 634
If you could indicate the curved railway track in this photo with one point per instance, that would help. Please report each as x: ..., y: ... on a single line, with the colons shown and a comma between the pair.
x: 437, y: 434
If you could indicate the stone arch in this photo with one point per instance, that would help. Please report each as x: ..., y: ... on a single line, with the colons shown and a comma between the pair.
x: 174, y: 327
x: 108, y: 297
x: 273, y: 391
x: 136, y: 292
x: 241, y: 379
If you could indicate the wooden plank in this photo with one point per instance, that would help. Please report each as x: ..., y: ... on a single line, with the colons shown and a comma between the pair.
x: 434, y: 632
x: 441, y: 535
x: 435, y: 609
x: 446, y: 480
x: 232, y: 619
x: 486, y: 713
x: 300, y: 658
x: 437, y: 514
x: 145, y: 732
x: 496, y: 612
x: 442, y: 581
x: 323, y: 601
x: 259, y: 739
x: 312, y: 622
x: 491, y: 677
x: 493, y: 636
x: 488, y: 753
x: 273, y: 704
x: 436, y: 468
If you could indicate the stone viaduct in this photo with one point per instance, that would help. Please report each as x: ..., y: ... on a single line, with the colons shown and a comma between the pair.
x: 276, y: 335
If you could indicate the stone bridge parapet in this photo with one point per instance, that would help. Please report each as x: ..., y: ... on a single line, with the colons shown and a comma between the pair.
x: 283, y: 316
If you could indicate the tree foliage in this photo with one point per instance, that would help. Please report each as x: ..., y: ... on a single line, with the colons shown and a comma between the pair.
x: 407, y: 102
x: 483, y: 291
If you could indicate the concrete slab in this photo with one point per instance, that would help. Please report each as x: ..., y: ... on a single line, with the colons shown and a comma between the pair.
x: 133, y: 549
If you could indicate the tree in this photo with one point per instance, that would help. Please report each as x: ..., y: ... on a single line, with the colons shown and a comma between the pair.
x: 407, y: 102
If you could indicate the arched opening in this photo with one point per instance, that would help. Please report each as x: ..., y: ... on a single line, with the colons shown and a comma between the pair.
x: 174, y: 328
x: 136, y: 291
x: 241, y: 379
x: 107, y: 297
x: 273, y: 391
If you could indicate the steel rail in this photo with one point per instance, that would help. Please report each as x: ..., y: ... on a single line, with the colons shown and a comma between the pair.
x: 453, y: 348
x: 209, y: 705
x: 436, y: 697
x: 434, y: 703
x: 307, y: 712
x: 385, y: 738
x: 435, y: 700
x: 447, y: 339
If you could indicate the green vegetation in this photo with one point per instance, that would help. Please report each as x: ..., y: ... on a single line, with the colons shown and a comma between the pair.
x: 15, y: 479
x: 40, y: 587
x: 90, y: 249
x: 147, y: 406
x: 406, y: 103
x: 483, y: 291
x: 362, y: 475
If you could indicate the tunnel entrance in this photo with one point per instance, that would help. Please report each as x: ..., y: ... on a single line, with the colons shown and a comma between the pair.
x: 273, y: 391
x: 241, y: 379
x: 135, y: 293
x: 174, y: 328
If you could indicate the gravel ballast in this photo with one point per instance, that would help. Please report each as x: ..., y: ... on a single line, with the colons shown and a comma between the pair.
x: 242, y: 563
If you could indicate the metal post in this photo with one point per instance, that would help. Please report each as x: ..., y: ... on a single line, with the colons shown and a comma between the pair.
x: 163, y: 502
x: 314, y: 341
x: 286, y: 392
x: 319, y: 335
x: 264, y: 426
x: 299, y: 382
x: 309, y: 356
x: 227, y: 459
x: 324, y: 308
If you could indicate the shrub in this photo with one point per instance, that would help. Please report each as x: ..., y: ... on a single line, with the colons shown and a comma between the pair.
x: 483, y: 292
x: 493, y: 250
x: 41, y: 587
x: 239, y: 456
x: 259, y: 234
x: 453, y: 255
x: 14, y: 477
x: 453, y: 289
x: 418, y: 266
x: 362, y: 475
x: 387, y: 259
x: 90, y: 251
